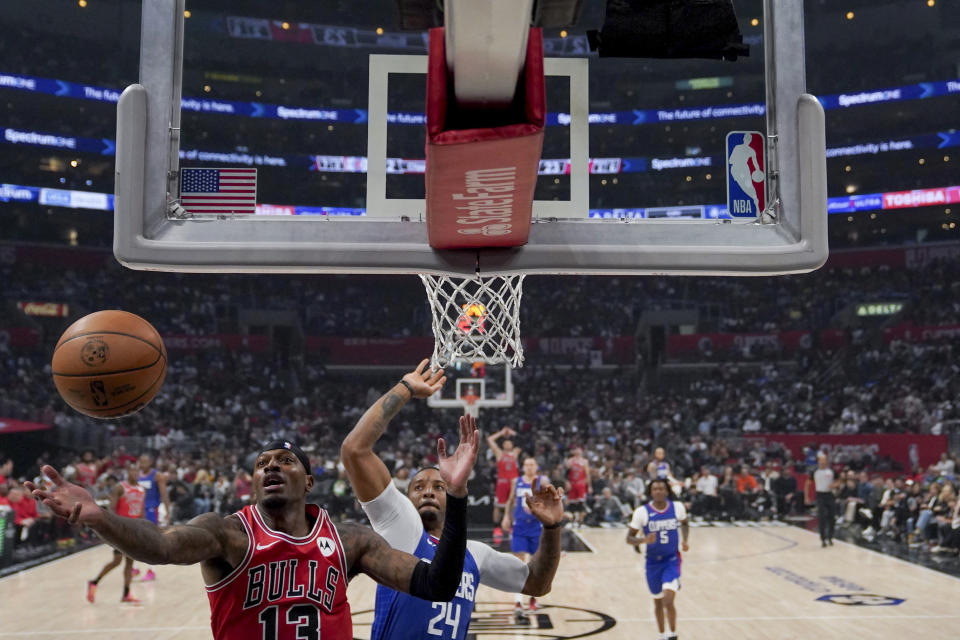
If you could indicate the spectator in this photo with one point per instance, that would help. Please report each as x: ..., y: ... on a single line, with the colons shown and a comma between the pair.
x: 706, y: 500
x: 25, y: 517
x: 946, y: 466
x: 610, y: 507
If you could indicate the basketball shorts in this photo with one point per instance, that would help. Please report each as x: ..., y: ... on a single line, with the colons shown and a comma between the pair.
x: 150, y: 513
x: 663, y: 575
x: 577, y: 492
x: 525, y: 540
x: 503, y: 491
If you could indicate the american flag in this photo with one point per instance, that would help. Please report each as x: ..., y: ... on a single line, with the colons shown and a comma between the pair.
x: 217, y: 191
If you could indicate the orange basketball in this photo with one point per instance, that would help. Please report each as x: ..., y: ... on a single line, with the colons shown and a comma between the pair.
x: 109, y: 364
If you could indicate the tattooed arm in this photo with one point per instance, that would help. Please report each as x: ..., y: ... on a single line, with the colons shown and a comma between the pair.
x: 208, y: 538
x: 437, y: 581
x: 368, y: 474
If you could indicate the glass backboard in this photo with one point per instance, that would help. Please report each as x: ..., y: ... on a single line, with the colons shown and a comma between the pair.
x: 326, y: 102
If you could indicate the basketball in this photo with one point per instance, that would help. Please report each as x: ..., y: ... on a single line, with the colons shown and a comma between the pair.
x: 109, y: 364
x: 757, y: 176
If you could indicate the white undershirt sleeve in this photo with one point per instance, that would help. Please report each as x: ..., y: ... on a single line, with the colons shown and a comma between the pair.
x: 394, y: 517
x: 680, y: 511
x: 640, y: 518
x: 501, y: 571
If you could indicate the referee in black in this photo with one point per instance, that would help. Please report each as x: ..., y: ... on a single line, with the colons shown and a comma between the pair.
x: 826, y: 504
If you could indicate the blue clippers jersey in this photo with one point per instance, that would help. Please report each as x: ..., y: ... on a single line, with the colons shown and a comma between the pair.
x: 667, y: 527
x: 400, y: 616
x: 149, y: 484
x: 523, y: 519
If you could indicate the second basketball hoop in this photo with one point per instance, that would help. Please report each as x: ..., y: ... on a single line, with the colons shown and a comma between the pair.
x: 475, y: 318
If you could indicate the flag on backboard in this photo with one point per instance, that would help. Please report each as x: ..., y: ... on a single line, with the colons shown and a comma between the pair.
x: 218, y: 191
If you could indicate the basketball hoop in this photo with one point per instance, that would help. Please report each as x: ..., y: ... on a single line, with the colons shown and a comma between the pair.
x: 475, y: 318
x: 470, y: 406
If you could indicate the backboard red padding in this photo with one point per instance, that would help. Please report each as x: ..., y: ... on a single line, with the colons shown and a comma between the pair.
x: 480, y: 181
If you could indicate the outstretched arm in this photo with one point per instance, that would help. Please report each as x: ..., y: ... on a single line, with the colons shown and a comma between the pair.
x: 438, y: 580
x: 206, y: 537
x: 492, y: 443
x: 368, y: 474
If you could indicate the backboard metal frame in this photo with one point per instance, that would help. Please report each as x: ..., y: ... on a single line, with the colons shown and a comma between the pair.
x: 792, y: 238
x: 379, y: 206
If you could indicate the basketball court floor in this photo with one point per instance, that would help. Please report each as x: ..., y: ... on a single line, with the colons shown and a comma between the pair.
x: 739, y: 582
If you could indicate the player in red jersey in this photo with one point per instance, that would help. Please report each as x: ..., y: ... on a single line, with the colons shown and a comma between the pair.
x: 278, y: 569
x: 126, y: 501
x: 88, y: 469
x: 507, y: 472
x: 578, y: 484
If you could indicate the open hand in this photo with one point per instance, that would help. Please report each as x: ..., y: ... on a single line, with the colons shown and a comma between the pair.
x: 425, y: 382
x: 67, y: 500
x: 455, y: 469
x: 545, y: 502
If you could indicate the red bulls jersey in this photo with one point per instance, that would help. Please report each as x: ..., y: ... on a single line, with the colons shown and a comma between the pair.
x: 285, y: 588
x: 577, y: 472
x: 86, y: 474
x: 130, y: 504
x: 507, y: 466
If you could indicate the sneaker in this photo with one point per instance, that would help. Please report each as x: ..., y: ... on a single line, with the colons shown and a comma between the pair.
x: 519, y: 615
x: 497, y: 535
x: 91, y: 591
x: 150, y: 576
x: 533, y: 604
x: 938, y: 549
x: 129, y: 599
x: 135, y: 572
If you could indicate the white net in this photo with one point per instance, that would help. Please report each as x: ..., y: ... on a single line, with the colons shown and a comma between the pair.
x: 475, y: 318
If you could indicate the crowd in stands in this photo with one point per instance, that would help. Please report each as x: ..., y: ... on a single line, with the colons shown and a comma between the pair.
x: 206, y: 424
x: 394, y: 307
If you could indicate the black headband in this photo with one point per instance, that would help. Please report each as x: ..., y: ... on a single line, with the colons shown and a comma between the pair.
x: 294, y: 449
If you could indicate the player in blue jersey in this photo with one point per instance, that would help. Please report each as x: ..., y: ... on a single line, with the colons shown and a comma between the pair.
x: 658, y: 467
x: 524, y: 527
x: 662, y: 525
x: 412, y: 523
x: 154, y: 484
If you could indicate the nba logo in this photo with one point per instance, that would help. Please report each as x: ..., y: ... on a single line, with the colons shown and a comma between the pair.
x: 746, y: 174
